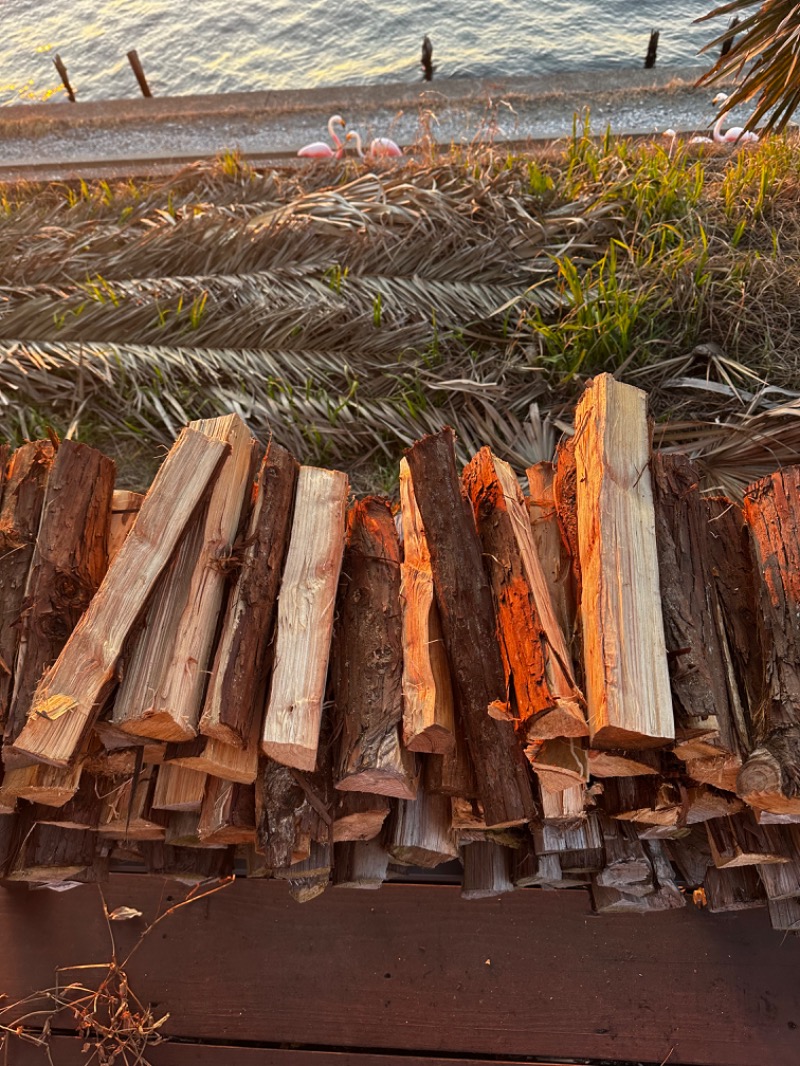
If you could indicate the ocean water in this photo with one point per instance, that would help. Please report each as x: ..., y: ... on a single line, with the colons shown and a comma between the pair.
x: 213, y: 46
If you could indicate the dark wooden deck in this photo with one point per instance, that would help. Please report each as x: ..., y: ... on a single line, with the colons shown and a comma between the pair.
x: 412, y: 974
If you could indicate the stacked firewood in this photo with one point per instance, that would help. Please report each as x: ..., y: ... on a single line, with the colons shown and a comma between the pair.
x: 592, y: 683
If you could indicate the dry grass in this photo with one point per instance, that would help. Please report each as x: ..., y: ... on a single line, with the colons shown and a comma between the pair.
x: 347, y: 312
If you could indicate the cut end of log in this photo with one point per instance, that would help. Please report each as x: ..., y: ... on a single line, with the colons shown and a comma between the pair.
x: 566, y: 719
x: 301, y: 758
x: 379, y: 783
x: 158, y: 725
x: 218, y: 730
x: 433, y: 740
x: 611, y: 737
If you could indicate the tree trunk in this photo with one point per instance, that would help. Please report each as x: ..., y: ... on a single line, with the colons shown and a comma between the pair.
x: 465, y: 606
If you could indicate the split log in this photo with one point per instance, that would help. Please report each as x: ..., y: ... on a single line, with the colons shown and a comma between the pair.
x: 235, y: 697
x: 535, y: 656
x: 558, y: 764
x: 165, y: 701
x: 305, y: 619
x: 420, y: 834
x: 736, y: 578
x: 770, y: 778
x: 51, y: 785
x: 209, y: 755
x: 487, y: 870
x: 181, y: 830
x: 607, y: 900
x: 550, y: 547
x: 69, y: 562
x: 469, y: 825
x: 642, y: 799
x: 579, y: 846
x: 308, y: 888
x: 530, y: 869
x: 780, y: 880
x: 566, y: 806
x: 127, y: 811
x: 721, y: 771
x: 359, y: 816
x: 279, y: 797
x: 736, y: 888
x: 451, y: 774
x: 692, y: 855
x: 23, y: 495
x: 465, y: 606
x: 691, y: 612
x: 125, y: 506
x: 228, y: 814
x: 565, y: 498
x: 627, y: 680
x: 178, y: 789
x: 317, y: 864
x: 739, y: 840
x: 69, y: 694
x: 50, y: 853
x: 84, y: 809
x: 623, y: 763
x: 627, y: 867
x: 360, y: 864
x: 190, y: 866
x: 428, y: 714
x: 368, y: 659
x: 784, y: 914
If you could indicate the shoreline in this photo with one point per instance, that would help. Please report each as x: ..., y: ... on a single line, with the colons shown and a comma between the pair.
x: 273, y: 125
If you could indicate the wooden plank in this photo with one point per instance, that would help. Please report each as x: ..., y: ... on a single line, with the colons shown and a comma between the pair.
x: 467, y: 614
x: 723, y: 991
x: 305, y: 618
x: 68, y: 695
x: 66, y: 1051
x: 428, y: 713
x: 368, y: 659
x: 625, y: 658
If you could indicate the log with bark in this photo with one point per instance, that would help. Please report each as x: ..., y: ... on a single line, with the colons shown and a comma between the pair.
x: 359, y: 816
x: 771, y: 776
x: 23, y: 495
x: 238, y: 679
x: 305, y: 619
x: 368, y: 659
x: 428, y: 713
x: 624, y: 650
x: 72, y: 691
x: 465, y: 605
x: 68, y: 564
x: 535, y: 656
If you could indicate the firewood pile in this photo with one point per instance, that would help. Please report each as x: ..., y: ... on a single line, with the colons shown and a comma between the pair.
x: 594, y: 682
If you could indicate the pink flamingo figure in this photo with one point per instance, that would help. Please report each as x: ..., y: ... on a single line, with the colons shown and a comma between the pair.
x: 380, y: 146
x: 735, y: 133
x: 321, y: 150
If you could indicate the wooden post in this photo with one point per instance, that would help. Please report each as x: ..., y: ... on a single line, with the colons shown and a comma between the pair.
x: 467, y: 614
x: 652, y: 48
x: 770, y: 778
x: 69, y: 562
x: 625, y: 657
x: 427, y: 59
x: 305, y: 619
x: 368, y: 659
x: 62, y: 73
x: 70, y: 693
x: 236, y: 689
x: 138, y: 70
x: 532, y: 642
x: 428, y: 714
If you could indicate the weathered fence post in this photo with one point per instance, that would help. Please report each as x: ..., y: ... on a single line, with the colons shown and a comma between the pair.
x: 62, y: 71
x: 427, y: 59
x: 652, y: 48
x: 138, y: 70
